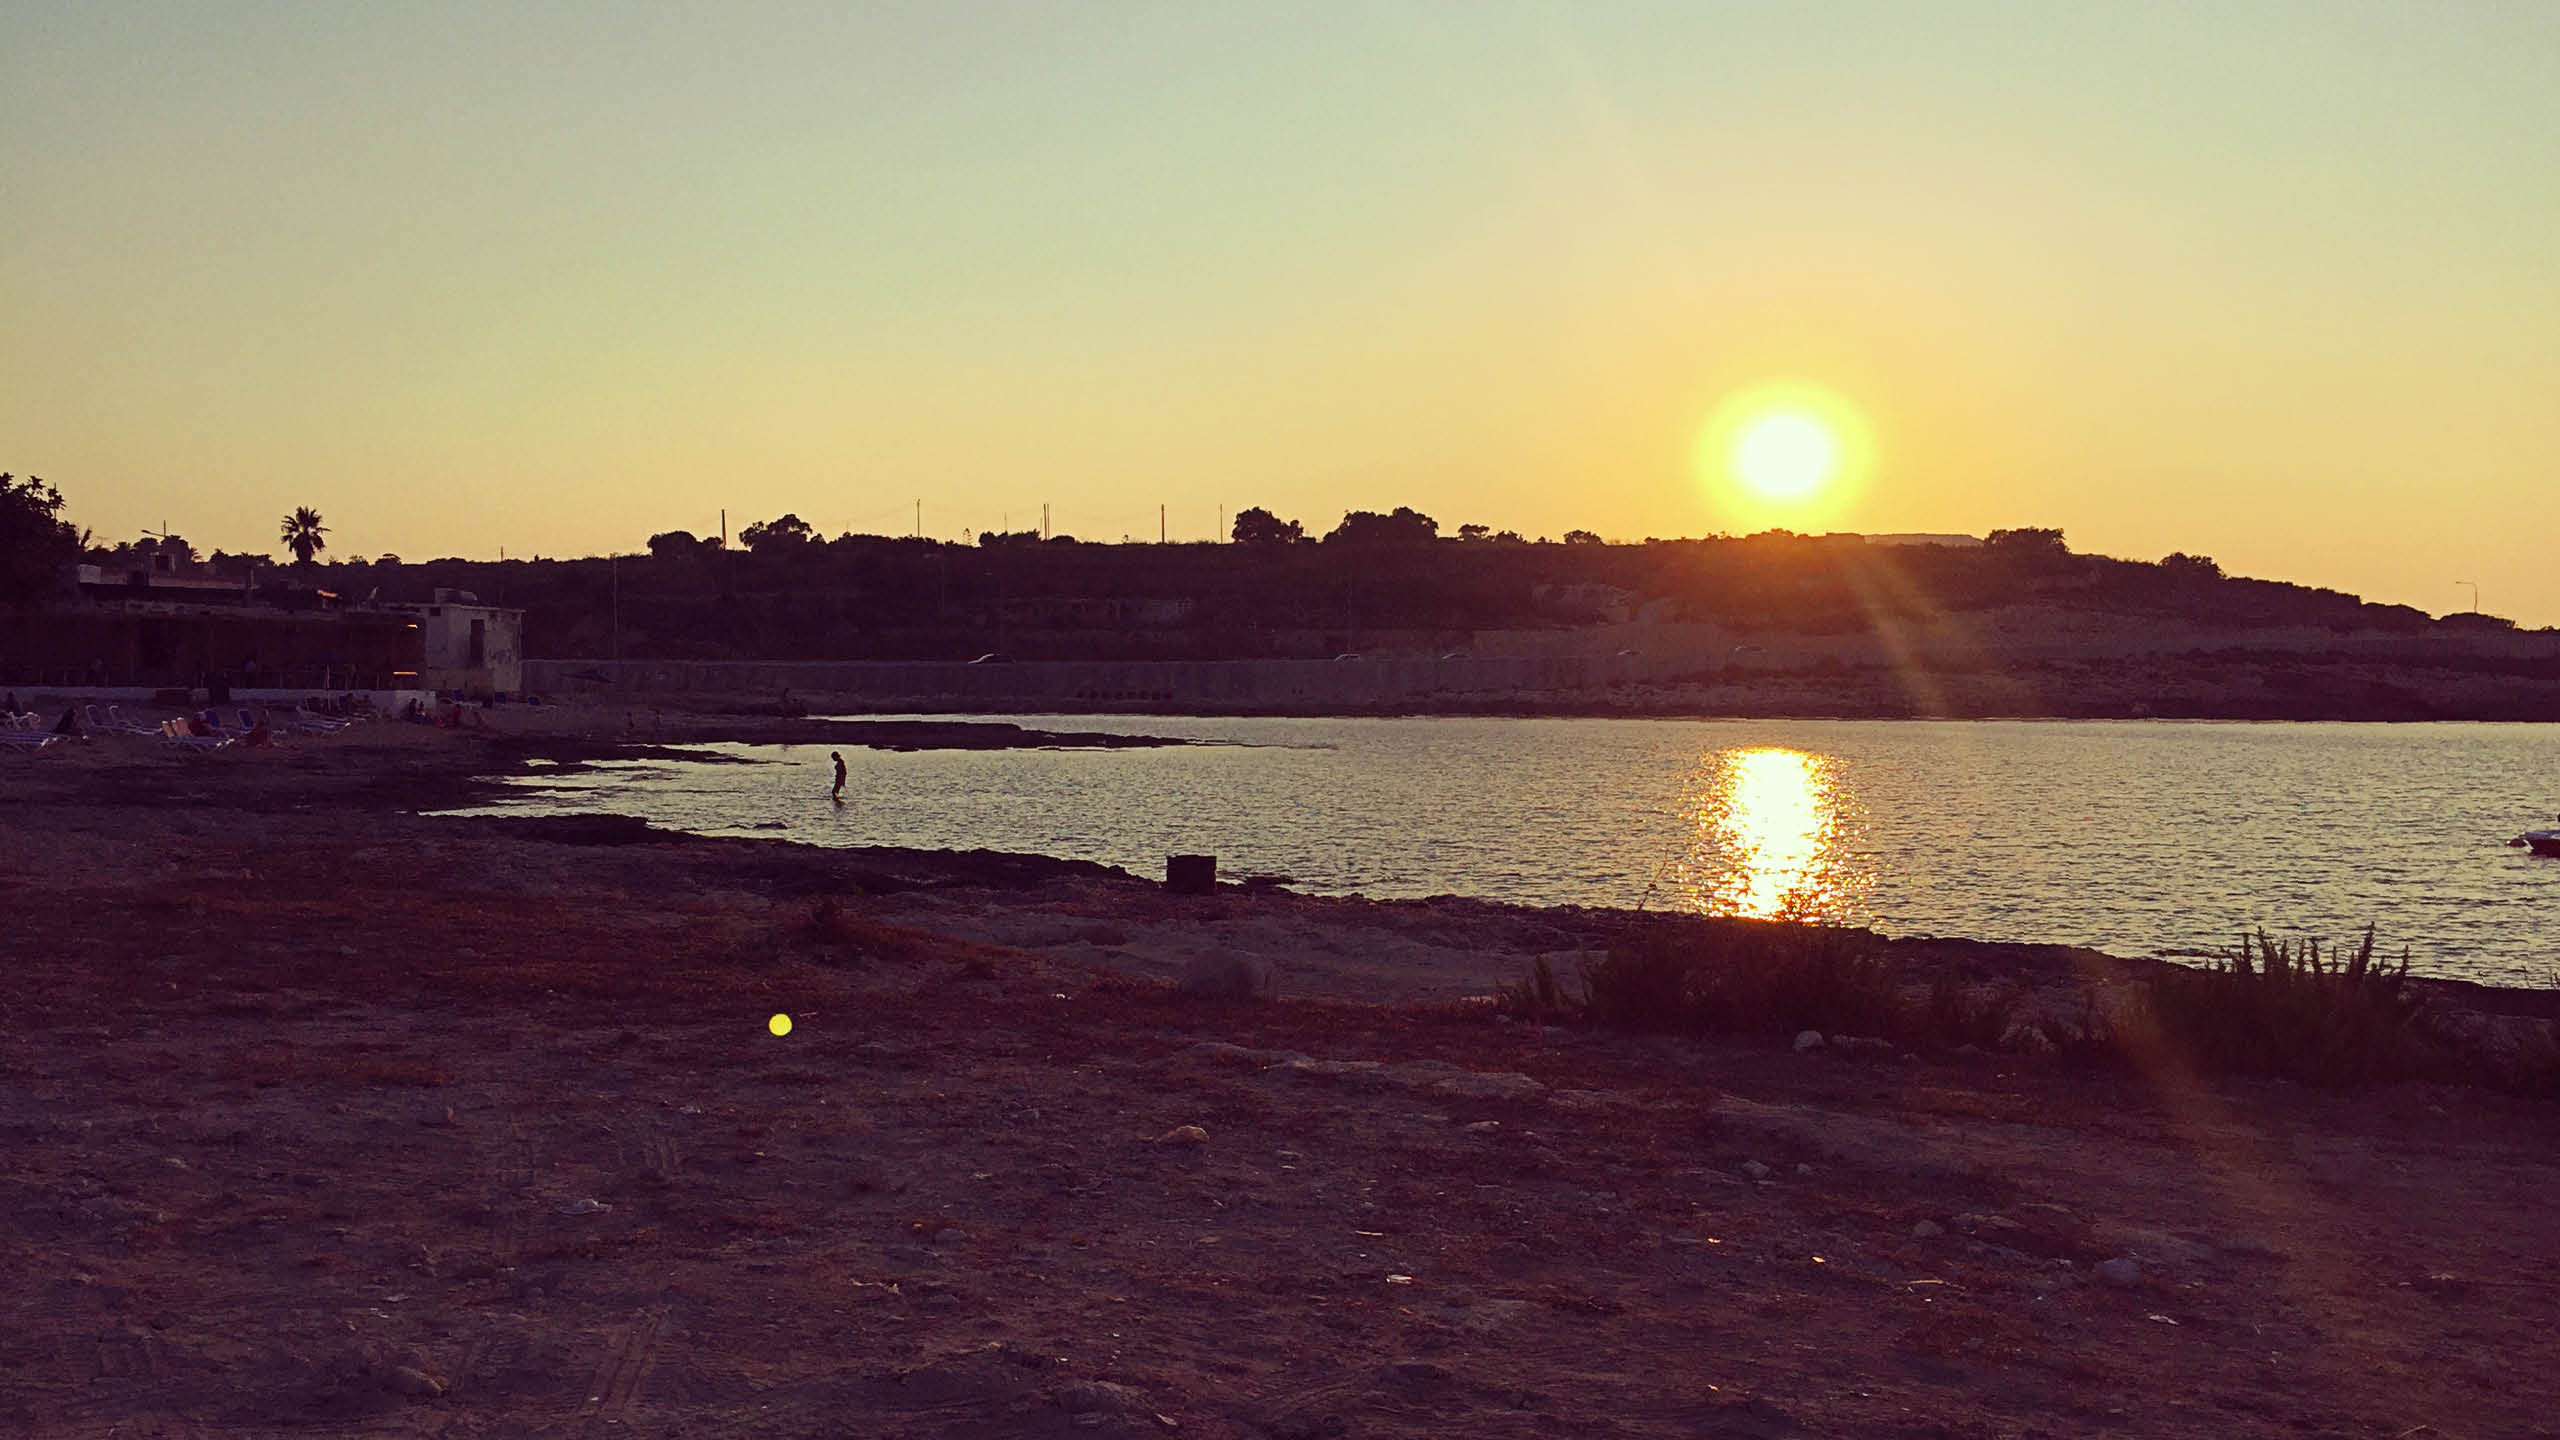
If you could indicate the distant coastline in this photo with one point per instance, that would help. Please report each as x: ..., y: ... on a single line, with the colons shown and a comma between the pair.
x: 2237, y: 685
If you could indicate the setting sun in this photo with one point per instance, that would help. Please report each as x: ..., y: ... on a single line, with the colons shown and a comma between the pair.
x: 1786, y: 454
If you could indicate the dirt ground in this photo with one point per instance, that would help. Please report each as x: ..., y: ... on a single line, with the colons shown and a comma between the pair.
x: 321, y: 1117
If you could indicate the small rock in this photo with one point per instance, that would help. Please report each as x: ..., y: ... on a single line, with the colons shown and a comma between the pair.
x: 1184, y: 1135
x: 405, y: 1380
x: 1927, y: 1230
x: 1224, y: 1050
x: 2120, y: 1272
x: 586, y: 1207
x: 1101, y: 1397
x: 1755, y: 1169
x: 1808, y: 1040
x: 1803, y: 1170
x: 1480, y: 1127
x: 1509, y: 1085
x: 2025, y: 1039
x: 1416, y: 1372
x: 950, y: 1235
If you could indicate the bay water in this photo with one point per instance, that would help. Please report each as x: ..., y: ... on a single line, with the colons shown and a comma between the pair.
x: 2139, y: 838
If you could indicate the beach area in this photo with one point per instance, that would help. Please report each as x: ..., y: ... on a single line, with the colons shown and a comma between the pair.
x: 329, y: 1116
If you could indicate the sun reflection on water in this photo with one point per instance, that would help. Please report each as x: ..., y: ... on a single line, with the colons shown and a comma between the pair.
x: 1773, y: 838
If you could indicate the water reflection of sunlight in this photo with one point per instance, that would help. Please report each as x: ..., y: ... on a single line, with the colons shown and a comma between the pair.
x: 1772, y: 838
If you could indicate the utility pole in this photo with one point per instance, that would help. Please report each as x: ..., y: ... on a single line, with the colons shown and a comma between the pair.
x: 1159, y: 524
x: 724, y: 527
x: 1044, y: 519
x: 919, y: 519
x: 2475, y: 594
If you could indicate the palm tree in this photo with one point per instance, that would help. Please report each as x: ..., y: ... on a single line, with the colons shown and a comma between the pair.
x: 302, y: 532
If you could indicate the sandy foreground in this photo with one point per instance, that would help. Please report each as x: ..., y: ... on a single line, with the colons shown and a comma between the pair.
x: 321, y: 1117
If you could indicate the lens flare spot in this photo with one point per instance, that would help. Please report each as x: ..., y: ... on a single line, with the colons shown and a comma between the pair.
x: 779, y: 1024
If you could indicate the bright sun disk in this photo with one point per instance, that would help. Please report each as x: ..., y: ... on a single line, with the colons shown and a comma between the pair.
x: 1786, y: 455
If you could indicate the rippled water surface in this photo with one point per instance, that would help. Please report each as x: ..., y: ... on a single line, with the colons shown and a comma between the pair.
x: 2135, y: 837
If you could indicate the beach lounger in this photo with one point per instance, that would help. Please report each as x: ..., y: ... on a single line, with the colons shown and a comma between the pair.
x: 175, y: 733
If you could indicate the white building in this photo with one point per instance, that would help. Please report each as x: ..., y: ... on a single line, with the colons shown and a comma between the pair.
x: 471, y: 647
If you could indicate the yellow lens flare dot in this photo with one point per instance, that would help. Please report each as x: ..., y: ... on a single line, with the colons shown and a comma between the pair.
x: 779, y: 1024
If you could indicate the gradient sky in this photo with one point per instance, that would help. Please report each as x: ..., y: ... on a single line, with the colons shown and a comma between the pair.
x: 2274, y: 283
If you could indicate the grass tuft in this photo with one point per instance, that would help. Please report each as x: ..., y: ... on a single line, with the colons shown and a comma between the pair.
x: 1746, y: 975
x: 2287, y: 1008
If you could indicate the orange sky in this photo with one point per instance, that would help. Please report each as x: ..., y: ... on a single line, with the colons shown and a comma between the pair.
x: 2273, y: 283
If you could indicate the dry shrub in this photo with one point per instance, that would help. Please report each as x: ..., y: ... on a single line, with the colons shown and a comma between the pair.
x: 1955, y: 1016
x: 830, y: 926
x: 2285, y: 1008
x: 1747, y: 975
x: 1538, y: 998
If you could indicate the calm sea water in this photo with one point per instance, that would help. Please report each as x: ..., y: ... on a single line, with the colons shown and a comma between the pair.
x: 2138, y: 838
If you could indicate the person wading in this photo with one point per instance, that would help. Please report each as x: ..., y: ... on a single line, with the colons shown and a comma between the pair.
x: 837, y: 794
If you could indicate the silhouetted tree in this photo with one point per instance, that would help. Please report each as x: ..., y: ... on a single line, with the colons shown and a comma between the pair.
x: 673, y: 543
x: 34, y: 540
x: 301, y: 534
x: 2191, y: 567
x: 1257, y: 526
x: 776, y: 536
x: 1404, y: 526
x: 232, y: 566
x: 2026, y: 542
x: 1473, y: 533
x: 1583, y: 537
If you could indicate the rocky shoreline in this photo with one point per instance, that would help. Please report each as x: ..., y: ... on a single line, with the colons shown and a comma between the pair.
x: 325, y: 1112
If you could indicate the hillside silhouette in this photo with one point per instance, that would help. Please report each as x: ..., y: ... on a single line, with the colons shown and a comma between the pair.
x: 794, y: 597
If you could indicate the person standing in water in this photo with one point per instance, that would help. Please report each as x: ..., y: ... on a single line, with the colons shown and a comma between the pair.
x: 838, y: 794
